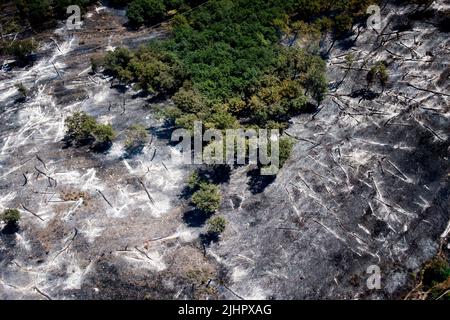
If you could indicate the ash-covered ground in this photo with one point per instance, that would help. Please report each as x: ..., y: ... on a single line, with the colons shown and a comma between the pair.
x: 367, y: 183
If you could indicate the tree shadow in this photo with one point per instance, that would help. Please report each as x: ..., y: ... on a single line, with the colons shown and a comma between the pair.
x: 10, y: 228
x: 257, y: 182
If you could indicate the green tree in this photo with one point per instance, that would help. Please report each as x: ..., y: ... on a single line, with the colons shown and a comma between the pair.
x: 36, y: 12
x: 20, y: 49
x: 96, y: 63
x: 116, y: 64
x: 286, y: 144
x: 438, y: 270
x: 207, y: 198
x: 10, y: 216
x: 343, y: 24
x: 217, y: 224
x: 189, y: 101
x: 316, y: 83
x: 145, y: 12
x: 135, y: 13
x: 80, y: 127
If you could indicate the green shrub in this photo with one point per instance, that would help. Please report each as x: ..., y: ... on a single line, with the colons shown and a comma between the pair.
x: 80, y: 126
x: 286, y: 144
x: 44, y: 13
x: 154, y: 71
x: 437, y: 271
x: 316, y: 83
x: 349, y: 60
x: 217, y: 224
x: 21, y: 89
x: 207, y: 198
x: 12, y: 26
x: 103, y: 133
x: 96, y: 63
x: 10, y: 216
x: 343, y: 24
x: 116, y: 63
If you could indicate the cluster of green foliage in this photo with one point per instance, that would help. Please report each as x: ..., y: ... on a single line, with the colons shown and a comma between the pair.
x: 286, y: 145
x: 20, y: 49
x: 437, y: 271
x: 224, y: 62
x: 136, y: 138
x: 23, y: 91
x: 217, y: 224
x: 434, y: 279
x: 44, y: 13
x: 378, y: 72
x: 207, y: 198
x: 83, y: 129
x: 150, y: 12
x: 154, y: 71
x: 10, y: 216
